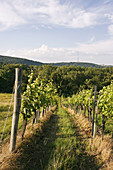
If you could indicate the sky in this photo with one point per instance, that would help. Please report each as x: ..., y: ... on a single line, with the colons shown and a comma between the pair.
x: 57, y: 30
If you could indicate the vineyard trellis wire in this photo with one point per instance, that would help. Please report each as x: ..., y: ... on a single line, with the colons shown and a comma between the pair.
x: 39, y: 94
x: 7, y: 115
x: 84, y: 100
x: 5, y: 122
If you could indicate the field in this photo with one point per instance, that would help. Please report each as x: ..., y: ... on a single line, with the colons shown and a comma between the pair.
x: 5, y: 109
x: 60, y: 146
x: 63, y: 141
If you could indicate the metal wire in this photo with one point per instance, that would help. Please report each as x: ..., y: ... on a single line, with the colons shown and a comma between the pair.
x: 7, y: 116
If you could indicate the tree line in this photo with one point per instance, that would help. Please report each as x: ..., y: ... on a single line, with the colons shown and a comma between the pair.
x: 66, y: 79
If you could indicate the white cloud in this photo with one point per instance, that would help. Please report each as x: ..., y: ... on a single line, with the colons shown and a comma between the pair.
x: 92, y: 52
x: 106, y: 1
x: 110, y: 29
x: 44, y: 54
x: 109, y: 16
x: 92, y: 39
x: 51, y: 12
x: 97, y: 48
x: 8, y: 17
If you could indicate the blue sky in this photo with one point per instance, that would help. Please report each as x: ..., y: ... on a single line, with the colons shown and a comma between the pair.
x: 57, y: 30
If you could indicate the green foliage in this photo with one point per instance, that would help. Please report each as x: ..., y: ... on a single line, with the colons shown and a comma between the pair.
x: 68, y: 80
x: 82, y: 98
x: 38, y: 94
x: 15, y: 60
x: 105, y: 103
x: 7, y: 76
x: 105, y: 98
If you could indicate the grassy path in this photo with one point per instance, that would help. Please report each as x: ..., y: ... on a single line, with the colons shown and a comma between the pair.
x: 60, y: 146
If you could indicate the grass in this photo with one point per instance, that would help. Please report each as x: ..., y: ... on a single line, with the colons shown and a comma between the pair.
x: 108, y: 124
x: 63, y: 155
x: 58, y: 146
x: 4, y: 107
x: 62, y: 142
x: 5, y: 100
x: 103, y: 149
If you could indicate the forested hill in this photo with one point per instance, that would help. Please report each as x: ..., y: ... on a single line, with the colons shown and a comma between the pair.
x: 15, y: 60
x: 81, y: 64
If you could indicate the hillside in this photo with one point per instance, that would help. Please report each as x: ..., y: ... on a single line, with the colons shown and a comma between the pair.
x: 81, y: 64
x: 15, y: 60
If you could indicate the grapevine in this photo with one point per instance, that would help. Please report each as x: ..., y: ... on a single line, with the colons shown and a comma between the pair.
x: 38, y: 94
x: 85, y: 99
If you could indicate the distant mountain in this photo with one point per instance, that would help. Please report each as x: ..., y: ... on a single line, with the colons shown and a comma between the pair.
x: 15, y: 60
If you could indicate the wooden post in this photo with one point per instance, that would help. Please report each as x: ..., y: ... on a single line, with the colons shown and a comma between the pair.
x: 45, y: 111
x: 95, y: 130
x: 34, y: 117
x: 37, y: 115
x: 95, y: 127
x: 24, y: 123
x: 88, y: 113
x: 103, y: 126
x: 49, y: 107
x: 80, y: 111
x: 17, y: 105
x: 76, y: 109
x: 94, y: 109
x: 88, y: 108
x: 84, y: 111
x: 42, y: 114
x: 95, y: 123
